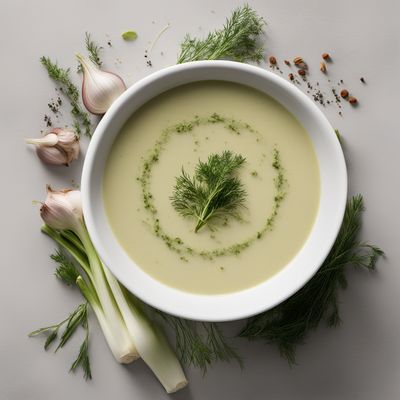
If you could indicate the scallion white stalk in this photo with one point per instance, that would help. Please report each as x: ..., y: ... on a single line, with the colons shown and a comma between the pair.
x: 128, y: 331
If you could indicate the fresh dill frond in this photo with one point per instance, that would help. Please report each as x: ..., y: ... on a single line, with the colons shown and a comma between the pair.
x: 200, y: 344
x: 214, y: 192
x: 77, y: 318
x: 221, y: 349
x: 66, y: 270
x: 288, y: 324
x: 71, y: 92
x: 93, y: 49
x: 237, y: 40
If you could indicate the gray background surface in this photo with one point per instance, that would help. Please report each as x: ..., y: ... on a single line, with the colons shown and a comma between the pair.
x: 359, y: 360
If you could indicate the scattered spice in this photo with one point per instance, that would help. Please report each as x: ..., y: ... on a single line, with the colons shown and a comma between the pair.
x: 55, y: 105
x: 272, y: 60
x: 353, y: 100
x: 48, y: 121
x: 337, y: 98
x: 109, y: 43
x: 298, y: 61
x: 329, y: 97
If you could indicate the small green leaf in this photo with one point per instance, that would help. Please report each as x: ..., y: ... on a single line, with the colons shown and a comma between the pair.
x: 77, y: 317
x: 129, y: 35
x: 50, y: 338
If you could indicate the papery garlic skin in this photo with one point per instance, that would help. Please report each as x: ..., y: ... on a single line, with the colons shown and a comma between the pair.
x: 62, y: 209
x: 52, y: 155
x: 99, y: 88
x: 58, y: 147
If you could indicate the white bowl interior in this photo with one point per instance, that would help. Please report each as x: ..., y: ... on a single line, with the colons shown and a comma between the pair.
x: 267, y: 294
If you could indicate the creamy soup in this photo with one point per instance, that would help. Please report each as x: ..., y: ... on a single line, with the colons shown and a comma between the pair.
x: 177, y: 130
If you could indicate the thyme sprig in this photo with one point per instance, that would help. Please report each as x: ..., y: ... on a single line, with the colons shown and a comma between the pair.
x: 71, y: 92
x: 237, y: 40
x: 288, y: 324
x: 213, y: 192
x: 93, y: 49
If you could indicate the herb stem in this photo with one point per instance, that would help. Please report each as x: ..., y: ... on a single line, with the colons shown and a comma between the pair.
x: 62, y: 77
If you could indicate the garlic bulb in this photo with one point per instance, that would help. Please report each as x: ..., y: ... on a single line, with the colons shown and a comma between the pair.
x: 58, y: 147
x: 62, y: 209
x: 99, y: 88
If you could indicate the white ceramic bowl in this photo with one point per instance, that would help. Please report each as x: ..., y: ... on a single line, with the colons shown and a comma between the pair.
x: 267, y: 294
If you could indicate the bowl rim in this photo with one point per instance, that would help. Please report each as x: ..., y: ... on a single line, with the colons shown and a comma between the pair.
x: 206, y: 307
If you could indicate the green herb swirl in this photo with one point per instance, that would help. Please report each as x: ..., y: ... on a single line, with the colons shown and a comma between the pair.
x: 176, y: 244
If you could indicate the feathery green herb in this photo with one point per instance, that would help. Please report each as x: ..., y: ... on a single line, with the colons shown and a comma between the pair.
x: 237, y: 40
x: 213, y: 193
x: 93, y: 49
x: 66, y: 270
x: 200, y: 344
x: 71, y: 92
x: 77, y: 318
x: 287, y: 324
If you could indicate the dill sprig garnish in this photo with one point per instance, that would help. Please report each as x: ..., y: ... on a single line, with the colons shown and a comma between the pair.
x: 287, y: 324
x: 66, y: 270
x: 93, y: 49
x: 214, y: 191
x: 200, y: 344
x: 77, y: 318
x: 237, y: 40
x: 71, y: 92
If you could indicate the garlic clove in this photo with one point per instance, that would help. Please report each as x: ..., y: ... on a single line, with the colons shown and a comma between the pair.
x: 52, y: 155
x: 99, y: 88
x: 68, y: 142
x: 58, y: 147
x: 62, y: 209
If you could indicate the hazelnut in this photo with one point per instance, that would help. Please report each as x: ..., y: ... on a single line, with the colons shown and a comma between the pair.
x: 326, y: 56
x: 344, y: 93
x: 302, y: 72
x: 322, y: 67
x: 272, y: 60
